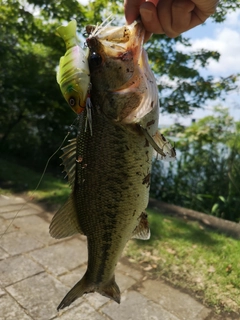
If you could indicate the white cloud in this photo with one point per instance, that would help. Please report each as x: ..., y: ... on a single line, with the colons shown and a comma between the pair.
x: 225, y: 38
x: 233, y: 19
x: 227, y: 43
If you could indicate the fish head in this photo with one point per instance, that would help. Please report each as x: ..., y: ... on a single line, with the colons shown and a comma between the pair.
x: 119, y: 71
x: 74, y: 95
x: 114, y: 51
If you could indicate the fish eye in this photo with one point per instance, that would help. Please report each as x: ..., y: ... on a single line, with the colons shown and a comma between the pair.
x: 95, y: 59
x: 72, y: 101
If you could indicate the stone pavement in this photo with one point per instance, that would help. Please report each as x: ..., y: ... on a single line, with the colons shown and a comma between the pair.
x: 36, y: 272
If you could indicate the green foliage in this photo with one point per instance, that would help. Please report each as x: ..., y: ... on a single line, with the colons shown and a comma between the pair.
x: 34, y: 116
x: 181, y: 86
x: 206, y: 175
x: 223, y: 8
x: 31, y: 108
x: 15, y: 178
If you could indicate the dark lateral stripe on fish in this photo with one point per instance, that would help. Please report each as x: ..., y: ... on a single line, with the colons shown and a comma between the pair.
x: 69, y: 62
x: 70, y: 74
x: 69, y: 46
x: 105, y: 257
x: 106, y: 246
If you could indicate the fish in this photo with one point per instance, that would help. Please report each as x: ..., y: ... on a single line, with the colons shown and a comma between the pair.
x: 109, y: 171
x: 73, y: 75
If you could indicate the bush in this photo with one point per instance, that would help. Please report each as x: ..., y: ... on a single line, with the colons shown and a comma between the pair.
x: 206, y: 175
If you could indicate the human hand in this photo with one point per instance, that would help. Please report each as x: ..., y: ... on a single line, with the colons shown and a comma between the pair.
x: 170, y: 17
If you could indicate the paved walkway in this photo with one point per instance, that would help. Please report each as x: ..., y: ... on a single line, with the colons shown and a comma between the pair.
x: 36, y: 271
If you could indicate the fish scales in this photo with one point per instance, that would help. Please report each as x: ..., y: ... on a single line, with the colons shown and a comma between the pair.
x: 110, y: 193
x: 109, y: 163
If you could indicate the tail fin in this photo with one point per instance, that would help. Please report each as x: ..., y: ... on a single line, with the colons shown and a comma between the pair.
x: 110, y: 290
x: 68, y: 33
x: 76, y: 292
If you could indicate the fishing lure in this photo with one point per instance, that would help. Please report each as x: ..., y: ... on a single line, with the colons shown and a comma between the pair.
x: 73, y: 75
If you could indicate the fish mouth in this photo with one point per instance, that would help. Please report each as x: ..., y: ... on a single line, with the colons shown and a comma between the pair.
x: 124, y: 42
x: 78, y: 110
x: 120, y: 73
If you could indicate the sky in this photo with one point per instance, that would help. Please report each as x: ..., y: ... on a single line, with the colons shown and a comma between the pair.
x: 224, y: 38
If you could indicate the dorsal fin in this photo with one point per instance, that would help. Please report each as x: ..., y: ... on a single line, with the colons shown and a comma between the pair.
x: 160, y: 144
x: 69, y: 160
x: 65, y: 221
x: 142, y: 231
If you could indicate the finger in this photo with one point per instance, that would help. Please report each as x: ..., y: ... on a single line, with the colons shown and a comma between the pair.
x: 183, y: 17
x: 149, y: 18
x: 131, y: 9
x: 165, y: 16
x: 204, y: 8
x: 147, y: 36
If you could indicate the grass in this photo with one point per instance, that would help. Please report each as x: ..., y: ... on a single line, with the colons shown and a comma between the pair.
x: 191, y: 257
x: 18, y: 179
x: 182, y: 252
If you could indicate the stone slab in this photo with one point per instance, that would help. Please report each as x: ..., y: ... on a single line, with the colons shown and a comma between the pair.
x: 9, y: 199
x: 14, y: 207
x: 84, y: 312
x: 177, y: 302
x: 79, y: 315
x: 2, y: 292
x: 35, y: 227
x: 70, y: 278
x: 10, y: 310
x: 6, y: 226
x: 38, y: 295
x: 62, y: 257
x: 17, y: 268
x: 96, y: 300
x: 136, y: 306
x: 124, y: 282
x: 3, y: 254
x: 126, y: 269
x: 18, y: 242
x: 18, y: 210
x: 204, y: 314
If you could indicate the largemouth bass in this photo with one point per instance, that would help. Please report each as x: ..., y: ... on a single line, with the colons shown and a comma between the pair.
x: 109, y: 171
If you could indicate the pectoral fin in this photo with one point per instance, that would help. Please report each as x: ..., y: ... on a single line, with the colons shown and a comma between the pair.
x: 65, y: 221
x: 160, y: 144
x: 142, y: 231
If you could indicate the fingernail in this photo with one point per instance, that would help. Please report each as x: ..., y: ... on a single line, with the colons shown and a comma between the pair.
x: 146, y: 14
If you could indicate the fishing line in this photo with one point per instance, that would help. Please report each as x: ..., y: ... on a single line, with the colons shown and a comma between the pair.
x: 40, y: 180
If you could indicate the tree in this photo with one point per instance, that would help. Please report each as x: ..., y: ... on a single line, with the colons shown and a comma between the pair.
x: 206, y: 174
x: 34, y: 116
